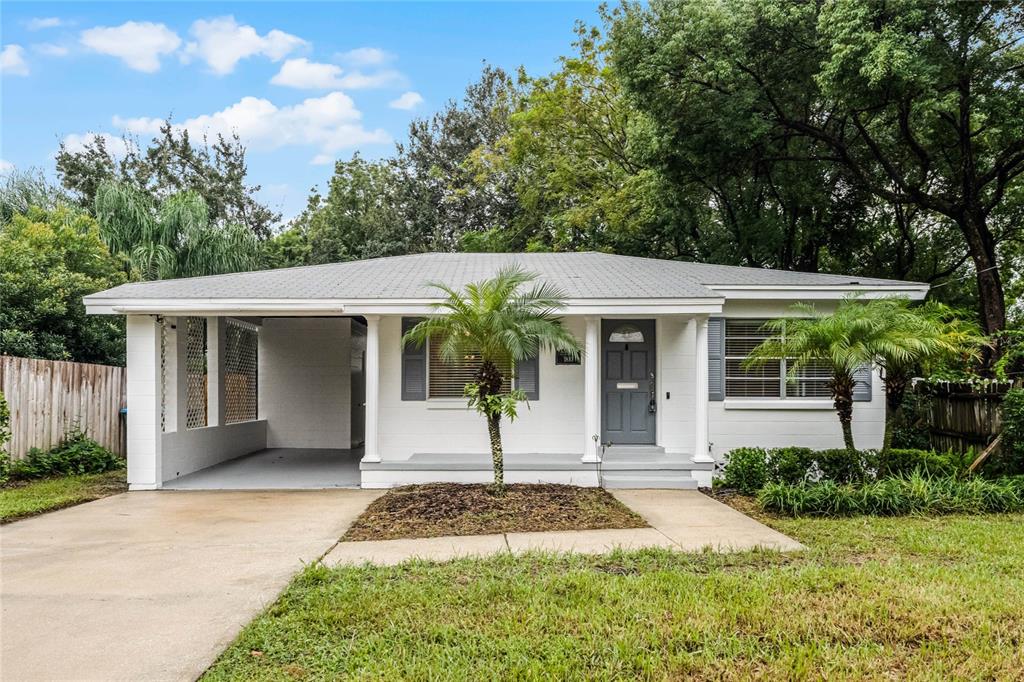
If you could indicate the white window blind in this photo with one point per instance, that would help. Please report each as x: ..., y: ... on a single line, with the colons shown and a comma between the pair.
x: 768, y: 380
x: 449, y: 379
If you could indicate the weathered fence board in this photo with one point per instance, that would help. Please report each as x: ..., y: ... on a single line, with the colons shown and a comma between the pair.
x: 49, y: 397
x: 962, y: 416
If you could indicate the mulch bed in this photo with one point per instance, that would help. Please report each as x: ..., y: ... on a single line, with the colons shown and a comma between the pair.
x: 436, y: 509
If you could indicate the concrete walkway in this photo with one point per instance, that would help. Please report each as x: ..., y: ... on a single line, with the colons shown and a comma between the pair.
x: 153, y: 586
x: 684, y: 520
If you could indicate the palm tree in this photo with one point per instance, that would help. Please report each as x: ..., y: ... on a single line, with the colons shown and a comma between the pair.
x: 499, y: 324
x: 914, y: 337
x: 842, y: 341
x: 173, y: 238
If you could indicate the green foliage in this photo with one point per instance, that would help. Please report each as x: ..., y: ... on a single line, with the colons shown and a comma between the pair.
x: 491, y: 404
x: 49, y: 260
x: 746, y: 470
x: 895, y: 496
x: 905, y: 461
x: 172, y: 238
x: 76, y: 454
x: 910, y: 424
x: 1011, y: 456
x: 171, y: 164
x: 790, y: 465
x: 5, y: 435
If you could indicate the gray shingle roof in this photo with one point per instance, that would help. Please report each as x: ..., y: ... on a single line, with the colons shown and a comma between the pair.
x: 581, y: 275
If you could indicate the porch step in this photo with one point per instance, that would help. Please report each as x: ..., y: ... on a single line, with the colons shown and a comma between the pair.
x: 675, y: 480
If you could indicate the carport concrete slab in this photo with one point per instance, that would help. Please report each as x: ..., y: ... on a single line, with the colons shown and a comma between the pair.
x: 153, y: 585
x: 277, y: 469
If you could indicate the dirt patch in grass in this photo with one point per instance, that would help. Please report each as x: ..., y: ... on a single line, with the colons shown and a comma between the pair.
x: 436, y: 509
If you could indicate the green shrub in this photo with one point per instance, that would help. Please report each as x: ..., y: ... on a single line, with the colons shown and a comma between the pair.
x: 896, y: 496
x: 5, y: 435
x: 1011, y: 449
x: 843, y: 466
x: 910, y: 430
x: 903, y: 462
x: 76, y: 454
x: 789, y: 465
x: 746, y: 470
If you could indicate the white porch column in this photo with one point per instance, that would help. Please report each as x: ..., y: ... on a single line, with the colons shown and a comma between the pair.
x: 215, y: 371
x: 700, y: 390
x: 371, y: 453
x: 591, y: 389
x: 143, y: 395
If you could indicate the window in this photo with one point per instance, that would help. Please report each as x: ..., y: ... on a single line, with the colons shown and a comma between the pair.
x: 626, y: 333
x: 449, y: 379
x: 241, y: 341
x: 770, y: 379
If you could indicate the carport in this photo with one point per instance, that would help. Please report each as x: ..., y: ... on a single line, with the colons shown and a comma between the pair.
x: 254, y: 403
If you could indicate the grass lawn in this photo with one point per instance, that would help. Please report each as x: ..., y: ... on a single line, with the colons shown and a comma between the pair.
x: 36, y: 497
x: 435, y: 509
x: 872, y: 598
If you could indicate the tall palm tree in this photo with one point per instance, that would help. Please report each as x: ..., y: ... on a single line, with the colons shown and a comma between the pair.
x: 174, y: 238
x: 913, y: 338
x: 842, y: 341
x: 497, y: 323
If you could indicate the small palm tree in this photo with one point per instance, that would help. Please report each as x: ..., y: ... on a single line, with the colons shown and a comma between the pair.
x: 172, y: 239
x: 912, y: 338
x: 501, y: 324
x: 842, y: 341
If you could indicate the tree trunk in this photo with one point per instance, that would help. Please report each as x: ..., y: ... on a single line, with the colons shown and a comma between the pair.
x: 895, y: 388
x: 497, y: 453
x: 842, y: 396
x: 489, y: 382
x: 991, y: 298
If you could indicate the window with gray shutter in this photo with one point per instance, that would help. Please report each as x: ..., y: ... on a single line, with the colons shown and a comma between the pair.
x: 716, y: 358
x: 414, y: 365
x: 862, y: 387
x: 528, y: 377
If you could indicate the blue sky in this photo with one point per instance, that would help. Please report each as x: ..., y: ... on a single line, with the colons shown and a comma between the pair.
x: 302, y: 83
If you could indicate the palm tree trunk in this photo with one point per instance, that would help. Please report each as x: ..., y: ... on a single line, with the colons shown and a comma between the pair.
x: 497, y: 453
x: 842, y: 396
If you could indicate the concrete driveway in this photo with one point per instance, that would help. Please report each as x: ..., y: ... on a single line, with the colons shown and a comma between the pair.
x: 153, y: 585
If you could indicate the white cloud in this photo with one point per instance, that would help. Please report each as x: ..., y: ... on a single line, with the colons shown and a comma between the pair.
x: 366, y: 56
x: 39, y: 23
x: 408, y: 101
x: 51, y: 49
x: 5, y: 166
x: 302, y: 73
x: 12, y: 61
x: 222, y: 43
x: 76, y: 142
x: 138, y: 44
x: 322, y: 159
x: 330, y: 123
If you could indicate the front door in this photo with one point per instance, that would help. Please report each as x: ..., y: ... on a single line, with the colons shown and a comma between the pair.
x: 628, y: 382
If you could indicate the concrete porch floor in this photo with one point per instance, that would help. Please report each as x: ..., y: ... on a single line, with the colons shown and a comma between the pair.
x: 277, y: 469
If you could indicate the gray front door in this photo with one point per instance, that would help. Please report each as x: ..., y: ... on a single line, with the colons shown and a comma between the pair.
x: 627, y: 414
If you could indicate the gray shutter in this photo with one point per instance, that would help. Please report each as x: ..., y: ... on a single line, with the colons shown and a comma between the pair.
x: 716, y: 358
x: 528, y: 377
x: 862, y: 387
x: 414, y: 365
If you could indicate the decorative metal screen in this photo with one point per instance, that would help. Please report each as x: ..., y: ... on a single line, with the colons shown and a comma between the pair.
x: 162, y: 324
x: 241, y: 343
x: 195, y: 371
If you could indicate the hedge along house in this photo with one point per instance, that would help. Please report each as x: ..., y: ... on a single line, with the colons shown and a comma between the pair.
x: 299, y: 378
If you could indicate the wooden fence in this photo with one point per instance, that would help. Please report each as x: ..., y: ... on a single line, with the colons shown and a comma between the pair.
x: 962, y: 416
x: 49, y: 397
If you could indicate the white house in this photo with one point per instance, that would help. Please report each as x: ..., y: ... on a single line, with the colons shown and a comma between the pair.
x: 306, y: 368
